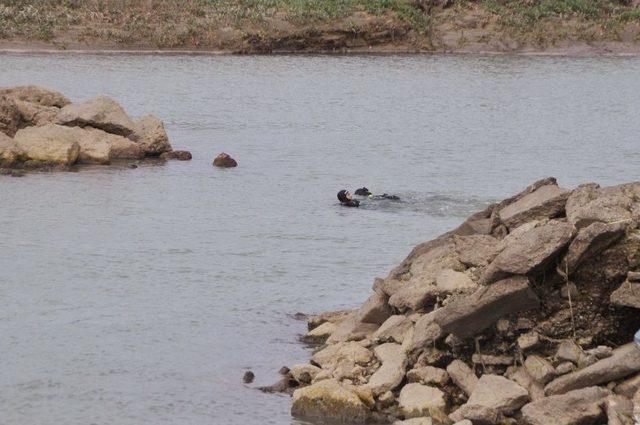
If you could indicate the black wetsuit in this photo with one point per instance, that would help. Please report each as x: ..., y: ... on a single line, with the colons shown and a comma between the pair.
x: 350, y: 203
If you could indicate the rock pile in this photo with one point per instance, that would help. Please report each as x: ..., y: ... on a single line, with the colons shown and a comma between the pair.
x: 523, y: 314
x: 41, y: 128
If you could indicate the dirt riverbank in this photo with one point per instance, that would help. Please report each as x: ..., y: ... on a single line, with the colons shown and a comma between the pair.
x: 559, y: 27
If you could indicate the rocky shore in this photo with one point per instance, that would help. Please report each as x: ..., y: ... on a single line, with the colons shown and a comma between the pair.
x: 524, y: 314
x: 40, y: 129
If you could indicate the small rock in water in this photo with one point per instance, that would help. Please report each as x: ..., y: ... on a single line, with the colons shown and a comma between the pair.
x: 179, y: 155
x: 133, y: 166
x: 248, y: 377
x: 284, y: 370
x: 225, y: 161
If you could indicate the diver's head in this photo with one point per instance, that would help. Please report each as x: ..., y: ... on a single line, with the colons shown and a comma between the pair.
x: 363, y: 191
x: 344, y: 196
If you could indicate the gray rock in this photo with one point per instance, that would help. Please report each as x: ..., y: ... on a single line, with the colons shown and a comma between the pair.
x: 491, y: 360
x: 592, y: 240
x: 547, y: 201
x: 619, y: 410
x: 468, y: 315
x: 569, y: 351
x: 564, y: 368
x: 520, y: 376
x: 463, y: 376
x: 375, y: 309
x: 577, y: 407
x: 304, y: 373
x: 540, y: 369
x: 35, y: 114
x: 425, y: 333
x: 476, y: 250
x: 415, y: 421
x: 624, y: 362
x: 330, y: 356
x: 628, y: 387
x: 531, y: 252
x: 499, y: 393
x: 99, y: 112
x: 627, y: 295
x: 590, y: 203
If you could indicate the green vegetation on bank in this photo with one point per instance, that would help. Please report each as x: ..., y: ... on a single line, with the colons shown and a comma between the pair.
x: 227, y: 24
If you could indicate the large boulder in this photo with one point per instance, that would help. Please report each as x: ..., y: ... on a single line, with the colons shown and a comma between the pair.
x: 99, y: 112
x: 9, y: 116
x: 151, y: 135
x: 395, y: 328
x: 591, y: 241
x: 35, y: 114
x: 50, y: 143
x: 531, y: 252
x: 579, y: 407
x: 476, y: 250
x: 375, y: 309
x: 10, y: 154
x: 590, y: 203
x: 100, y: 147
x: 547, y: 201
x: 417, y: 400
x: 329, y: 400
x: 499, y: 393
x: 37, y: 95
x: 624, y: 362
x: 468, y: 315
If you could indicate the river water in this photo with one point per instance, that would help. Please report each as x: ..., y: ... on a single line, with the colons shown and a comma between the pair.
x: 142, y: 296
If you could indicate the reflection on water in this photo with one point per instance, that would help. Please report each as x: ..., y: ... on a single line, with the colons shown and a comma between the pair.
x: 142, y: 296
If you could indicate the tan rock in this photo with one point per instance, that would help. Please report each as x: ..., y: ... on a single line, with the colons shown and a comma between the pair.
x: 547, y: 201
x: 592, y: 240
x: 330, y: 356
x: 329, y: 400
x: 539, y: 368
x: 351, y: 329
x: 304, y: 373
x: 35, y: 94
x: 476, y: 250
x: 573, y: 408
x: 393, y: 329
x: 499, y: 393
x: 463, y: 376
x: 151, y: 135
x: 428, y: 375
x: 321, y: 333
x: 629, y: 386
x: 391, y: 373
x: 415, y: 421
x: 417, y: 400
x: 50, y: 143
x: 9, y: 116
x: 375, y: 309
x: 98, y: 112
x: 450, y: 282
x: 35, y: 114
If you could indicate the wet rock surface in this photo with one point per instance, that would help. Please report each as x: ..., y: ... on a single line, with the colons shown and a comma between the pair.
x: 40, y: 129
x: 523, y: 314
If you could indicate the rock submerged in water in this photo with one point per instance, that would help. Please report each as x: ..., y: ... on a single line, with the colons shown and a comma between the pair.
x: 42, y: 129
x: 224, y: 161
x: 477, y: 326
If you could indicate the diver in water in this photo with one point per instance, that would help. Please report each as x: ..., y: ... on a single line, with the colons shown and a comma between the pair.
x: 345, y: 199
x: 363, y: 191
